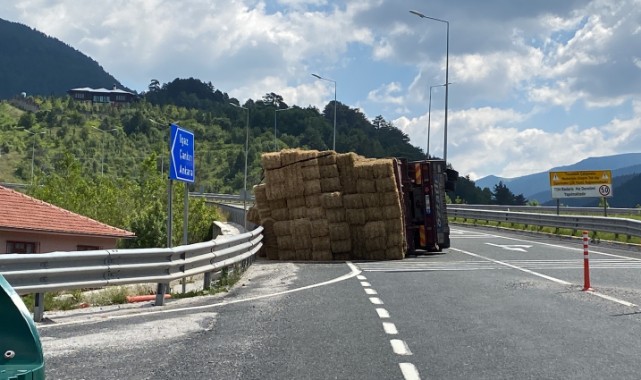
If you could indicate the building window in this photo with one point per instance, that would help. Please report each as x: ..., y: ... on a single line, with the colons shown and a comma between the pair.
x: 121, y: 98
x: 21, y: 247
x: 87, y: 248
x: 79, y: 95
x: 100, y: 99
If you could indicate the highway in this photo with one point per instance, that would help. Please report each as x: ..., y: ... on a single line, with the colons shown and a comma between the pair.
x: 497, y: 305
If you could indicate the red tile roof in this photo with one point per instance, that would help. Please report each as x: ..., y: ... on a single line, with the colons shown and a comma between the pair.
x: 21, y: 212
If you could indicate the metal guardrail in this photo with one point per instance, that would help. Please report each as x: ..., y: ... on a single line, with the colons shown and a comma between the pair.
x: 553, y: 209
x: 55, y: 271
x: 620, y: 226
x: 226, y: 198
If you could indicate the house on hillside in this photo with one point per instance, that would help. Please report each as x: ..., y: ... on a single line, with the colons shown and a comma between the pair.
x: 102, y: 95
x: 28, y: 225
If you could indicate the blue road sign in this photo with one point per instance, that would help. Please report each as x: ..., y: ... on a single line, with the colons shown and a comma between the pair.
x: 181, y: 162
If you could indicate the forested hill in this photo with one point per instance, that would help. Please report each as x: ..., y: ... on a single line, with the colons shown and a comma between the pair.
x: 37, y: 64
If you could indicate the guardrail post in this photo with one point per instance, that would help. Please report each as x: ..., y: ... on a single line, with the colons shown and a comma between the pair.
x: 586, y: 262
x: 207, y: 281
x: 38, y: 307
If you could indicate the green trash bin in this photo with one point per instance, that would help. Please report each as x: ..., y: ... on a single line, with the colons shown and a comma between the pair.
x: 21, y: 356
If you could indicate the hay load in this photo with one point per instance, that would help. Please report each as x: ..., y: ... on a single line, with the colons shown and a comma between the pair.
x: 327, y: 206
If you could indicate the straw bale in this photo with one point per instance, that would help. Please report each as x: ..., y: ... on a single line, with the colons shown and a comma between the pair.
x: 300, y: 228
x: 383, y: 168
x: 330, y: 184
x: 294, y: 182
x: 264, y: 213
x: 310, y: 161
x: 310, y: 172
x: 395, y: 240
x: 277, y: 203
x: 304, y: 242
x: 269, y: 236
x: 276, y: 191
x: 260, y: 193
x: 290, y: 156
x: 377, y: 254
x: 394, y: 226
x: 384, y: 185
x: 294, y: 202
x: 341, y: 256
x: 335, y: 215
x: 316, y: 213
x: 364, y: 169
x: 305, y: 155
x: 341, y: 246
x: 320, y: 244
x: 327, y: 157
x: 332, y: 200
x: 358, y: 242
x: 275, y: 176
x: 352, y: 201
x: 312, y: 187
x: 252, y: 215
x: 395, y: 253
x: 287, y: 254
x: 272, y: 253
x: 312, y: 201
x: 282, y: 228
x: 285, y: 242
x: 280, y: 214
x: 328, y: 171
x: 298, y: 212
x: 389, y: 199
x: 374, y: 229
x: 339, y: 231
x: 271, y: 160
x: 365, y: 185
x: 375, y: 214
x: 355, y: 216
x: 392, y: 211
x: 348, y: 159
x: 371, y: 200
x: 322, y: 255
x: 320, y: 228
x: 303, y: 254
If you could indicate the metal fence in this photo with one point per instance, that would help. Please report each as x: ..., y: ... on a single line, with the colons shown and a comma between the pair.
x: 567, y: 210
x: 55, y: 271
x: 618, y: 226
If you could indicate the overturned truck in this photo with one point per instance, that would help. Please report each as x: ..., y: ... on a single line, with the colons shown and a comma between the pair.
x: 326, y: 206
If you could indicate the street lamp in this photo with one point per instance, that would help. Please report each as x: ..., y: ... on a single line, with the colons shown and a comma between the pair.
x: 447, y: 81
x: 102, y: 147
x: 333, y: 81
x: 246, y: 153
x: 429, y: 115
x: 275, y: 123
x: 33, y: 149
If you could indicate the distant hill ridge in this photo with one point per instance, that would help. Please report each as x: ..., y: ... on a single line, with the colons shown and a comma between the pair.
x: 625, y: 168
x: 37, y: 64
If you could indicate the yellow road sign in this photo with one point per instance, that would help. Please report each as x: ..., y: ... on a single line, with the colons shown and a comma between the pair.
x: 597, y: 177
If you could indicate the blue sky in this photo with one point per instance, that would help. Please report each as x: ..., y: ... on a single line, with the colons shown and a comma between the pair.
x: 535, y: 84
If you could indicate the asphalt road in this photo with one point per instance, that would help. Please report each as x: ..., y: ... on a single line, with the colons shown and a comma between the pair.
x: 497, y: 305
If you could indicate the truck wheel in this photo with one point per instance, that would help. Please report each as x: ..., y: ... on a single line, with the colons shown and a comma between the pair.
x: 446, y: 243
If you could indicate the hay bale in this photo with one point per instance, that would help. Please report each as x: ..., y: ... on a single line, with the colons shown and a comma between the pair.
x: 374, y: 214
x: 364, y: 185
x: 382, y: 168
x: 395, y: 240
x: 253, y: 215
x: 355, y: 216
x: 384, y: 185
x: 352, y: 201
x: 332, y: 200
x: 389, y: 199
x: 341, y: 256
x: 395, y: 253
x: 320, y: 228
x: 316, y: 213
x: 282, y: 228
x: 277, y: 203
x: 269, y: 236
x: 285, y: 242
x: 276, y: 191
x: 320, y: 244
x: 341, y: 246
x: 264, y: 213
x: 322, y: 255
x: 339, y: 231
x: 272, y: 253
x: 287, y: 254
x: 260, y: 194
x: 280, y: 214
x: 313, y: 201
x: 303, y: 254
x: 335, y: 215
x: 294, y: 183
x: 294, y: 202
x: 364, y: 169
x: 328, y: 171
x: 290, y: 156
x: 377, y: 254
x: 270, y: 160
x: 329, y: 185
x: 298, y: 212
x: 312, y: 187
x: 394, y: 226
x: 300, y: 228
x: 358, y: 242
x: 327, y: 157
x: 392, y: 211
x: 310, y: 172
x: 371, y: 200
x: 375, y: 236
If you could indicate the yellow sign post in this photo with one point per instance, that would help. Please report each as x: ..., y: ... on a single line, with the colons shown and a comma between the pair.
x: 581, y: 184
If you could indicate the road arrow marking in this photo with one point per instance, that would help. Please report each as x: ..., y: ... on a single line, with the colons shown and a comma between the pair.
x: 512, y: 247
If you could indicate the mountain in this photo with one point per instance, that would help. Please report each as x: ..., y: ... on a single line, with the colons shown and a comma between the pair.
x: 41, y: 65
x: 537, y: 186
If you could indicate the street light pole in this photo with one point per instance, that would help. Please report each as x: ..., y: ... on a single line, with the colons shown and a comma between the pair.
x: 246, y: 155
x: 447, y: 79
x: 333, y: 81
x: 33, y: 150
x: 275, y: 123
x: 102, y: 147
x: 429, y: 115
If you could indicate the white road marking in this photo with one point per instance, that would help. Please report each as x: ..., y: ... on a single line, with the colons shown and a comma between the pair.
x: 390, y: 328
x: 400, y: 347
x: 609, y: 298
x: 375, y: 300
x: 370, y: 291
x: 366, y: 284
x: 409, y: 371
x: 382, y: 313
x: 512, y: 247
x: 361, y: 277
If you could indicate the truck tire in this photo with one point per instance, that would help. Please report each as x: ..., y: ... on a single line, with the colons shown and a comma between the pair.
x: 446, y: 243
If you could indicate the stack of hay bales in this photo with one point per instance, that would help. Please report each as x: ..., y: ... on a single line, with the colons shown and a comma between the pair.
x: 327, y: 206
